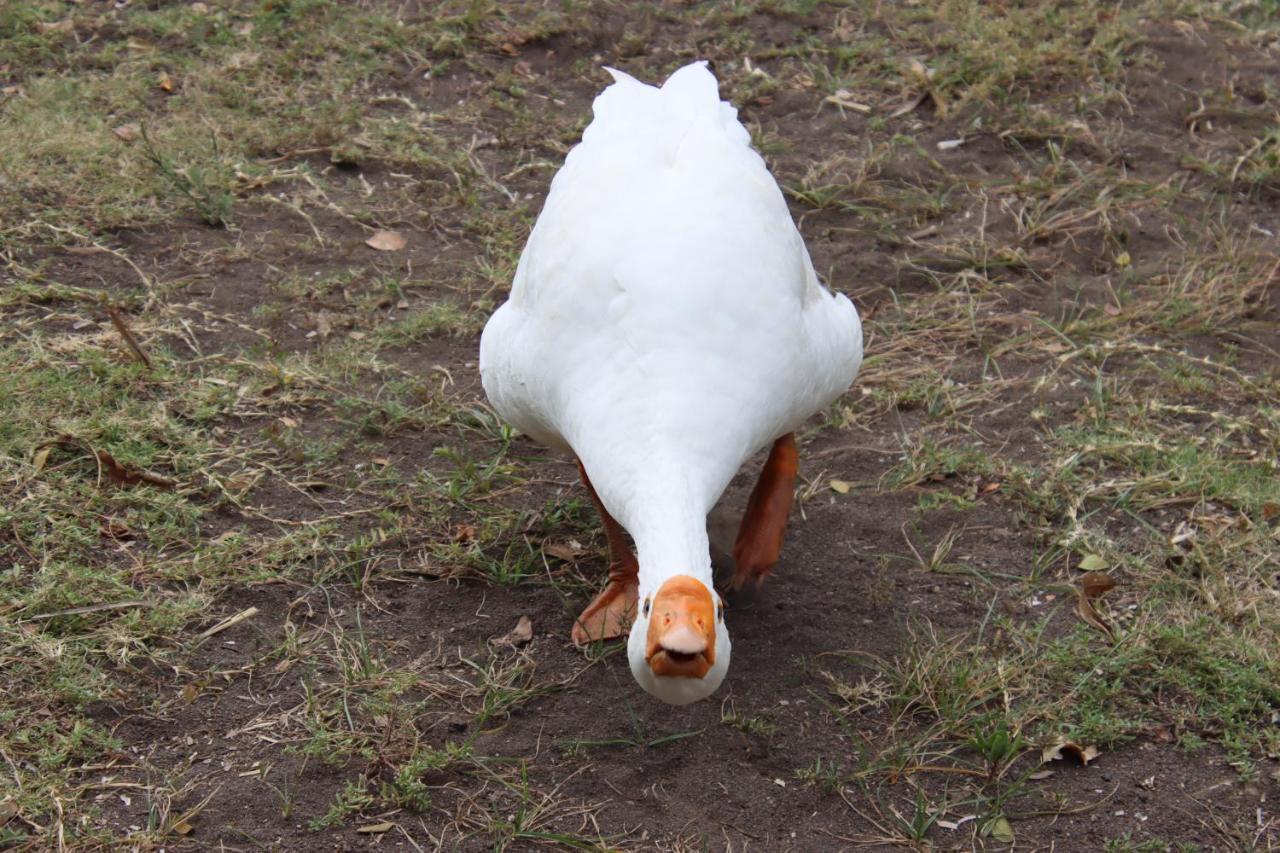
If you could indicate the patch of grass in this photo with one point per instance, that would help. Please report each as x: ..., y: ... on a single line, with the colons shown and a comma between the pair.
x: 1069, y: 340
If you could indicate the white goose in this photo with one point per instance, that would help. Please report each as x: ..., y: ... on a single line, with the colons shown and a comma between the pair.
x: 665, y: 323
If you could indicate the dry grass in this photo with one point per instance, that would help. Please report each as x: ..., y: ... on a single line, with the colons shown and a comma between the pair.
x: 219, y: 401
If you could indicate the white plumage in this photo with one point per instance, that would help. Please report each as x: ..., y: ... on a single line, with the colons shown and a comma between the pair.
x: 665, y: 322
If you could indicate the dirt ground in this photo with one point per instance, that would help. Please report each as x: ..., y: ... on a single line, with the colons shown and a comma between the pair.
x: 381, y: 533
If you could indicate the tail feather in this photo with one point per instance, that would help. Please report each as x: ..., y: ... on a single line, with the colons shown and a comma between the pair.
x: 635, y: 110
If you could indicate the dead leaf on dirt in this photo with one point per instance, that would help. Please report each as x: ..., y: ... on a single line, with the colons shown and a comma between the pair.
x: 1111, y: 309
x: 1040, y: 774
x: 464, y: 533
x: 1092, y: 586
x: 567, y: 551
x: 386, y: 241
x: 1095, y: 584
x: 518, y: 636
x: 1064, y: 748
x: 42, y: 456
x: 376, y: 828
x: 125, y: 475
x: 840, y: 487
x: 182, y: 828
x: 114, y: 528
x: 165, y: 84
x: 1270, y: 511
x: 127, y: 132
x: 910, y: 105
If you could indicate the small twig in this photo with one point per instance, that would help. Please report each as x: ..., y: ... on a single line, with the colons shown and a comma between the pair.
x: 92, y: 608
x: 229, y: 622
x: 129, y: 339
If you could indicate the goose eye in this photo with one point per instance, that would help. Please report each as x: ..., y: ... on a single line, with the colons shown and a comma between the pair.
x: 646, y: 607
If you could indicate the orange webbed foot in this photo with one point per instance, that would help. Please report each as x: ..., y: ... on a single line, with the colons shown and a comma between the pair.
x: 609, y: 615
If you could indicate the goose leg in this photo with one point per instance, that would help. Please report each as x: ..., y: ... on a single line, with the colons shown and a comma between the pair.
x: 610, y: 613
x: 765, y: 521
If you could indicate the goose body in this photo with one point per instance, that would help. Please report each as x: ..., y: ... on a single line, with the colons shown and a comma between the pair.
x: 665, y: 323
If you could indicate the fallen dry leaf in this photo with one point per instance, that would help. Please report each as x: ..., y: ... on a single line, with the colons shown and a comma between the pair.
x: 840, y: 487
x: 1092, y: 586
x: 519, y: 635
x: 8, y: 811
x: 376, y: 828
x: 561, y: 551
x: 124, y: 475
x: 127, y: 132
x: 1270, y: 511
x: 910, y: 105
x: 1095, y: 584
x: 41, y: 457
x: 114, y: 528
x: 1064, y: 748
x: 386, y: 241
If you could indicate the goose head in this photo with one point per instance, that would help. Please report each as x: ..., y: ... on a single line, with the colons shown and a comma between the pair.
x: 679, y: 647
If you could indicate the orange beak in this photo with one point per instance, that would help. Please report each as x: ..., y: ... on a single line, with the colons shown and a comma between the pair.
x: 681, y: 640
